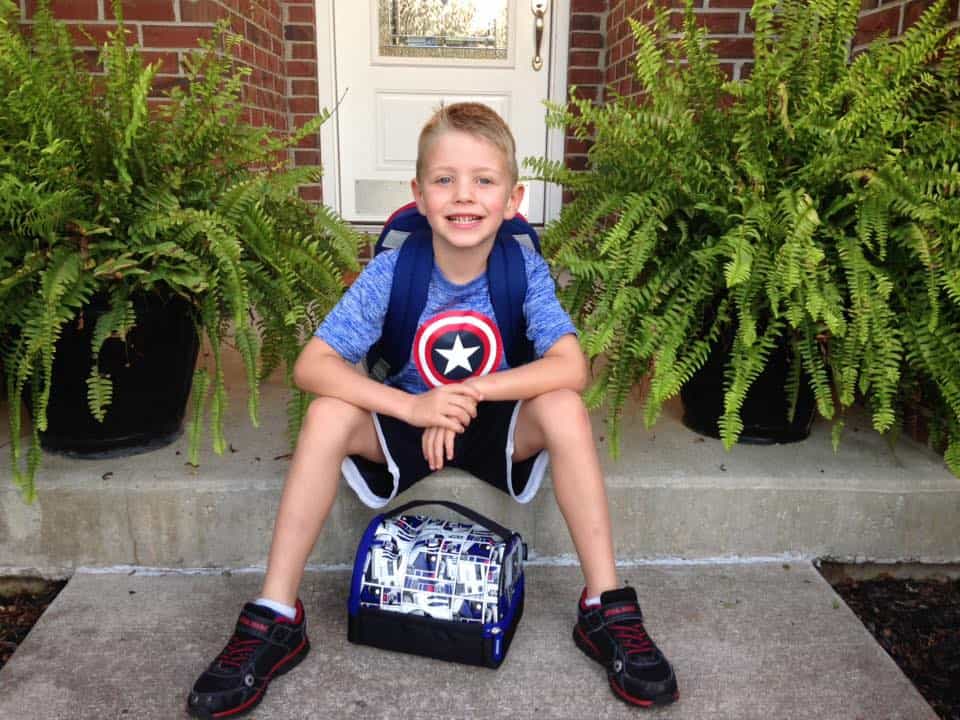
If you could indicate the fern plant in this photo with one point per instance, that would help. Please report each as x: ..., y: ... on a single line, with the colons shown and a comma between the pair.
x: 102, y: 193
x: 815, y: 202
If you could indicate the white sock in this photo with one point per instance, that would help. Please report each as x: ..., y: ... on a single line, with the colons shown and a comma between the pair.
x: 285, y: 610
x: 592, y: 601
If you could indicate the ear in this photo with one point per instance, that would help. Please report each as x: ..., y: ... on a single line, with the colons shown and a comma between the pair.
x: 418, y: 196
x: 513, y: 202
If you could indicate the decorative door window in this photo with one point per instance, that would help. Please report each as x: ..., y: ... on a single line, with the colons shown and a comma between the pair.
x: 466, y: 29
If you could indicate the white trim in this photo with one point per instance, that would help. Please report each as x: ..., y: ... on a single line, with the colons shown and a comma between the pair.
x: 355, y: 479
x: 326, y: 90
x: 559, y: 56
x: 538, y: 470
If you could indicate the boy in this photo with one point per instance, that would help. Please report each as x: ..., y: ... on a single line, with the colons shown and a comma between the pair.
x: 455, y: 402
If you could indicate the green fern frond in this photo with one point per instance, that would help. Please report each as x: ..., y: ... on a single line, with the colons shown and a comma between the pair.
x: 99, y: 394
x: 198, y: 397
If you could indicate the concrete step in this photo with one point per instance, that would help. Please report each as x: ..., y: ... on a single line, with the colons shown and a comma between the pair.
x: 673, y: 494
x: 747, y: 641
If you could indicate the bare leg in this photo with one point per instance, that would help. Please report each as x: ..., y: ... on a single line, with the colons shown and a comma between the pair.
x: 331, y: 430
x: 558, y: 421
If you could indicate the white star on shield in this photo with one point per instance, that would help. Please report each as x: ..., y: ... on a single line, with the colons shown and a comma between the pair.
x: 458, y: 356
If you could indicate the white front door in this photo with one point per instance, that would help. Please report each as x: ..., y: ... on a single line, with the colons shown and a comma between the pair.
x: 395, y: 61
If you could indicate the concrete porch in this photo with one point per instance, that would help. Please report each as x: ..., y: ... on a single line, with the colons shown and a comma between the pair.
x: 673, y: 495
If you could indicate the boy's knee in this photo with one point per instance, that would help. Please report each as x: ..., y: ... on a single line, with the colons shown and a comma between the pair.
x: 348, y: 429
x: 562, y: 410
x: 333, y: 414
x: 561, y: 400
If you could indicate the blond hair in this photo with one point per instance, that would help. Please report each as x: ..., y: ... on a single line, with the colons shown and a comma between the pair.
x: 474, y: 119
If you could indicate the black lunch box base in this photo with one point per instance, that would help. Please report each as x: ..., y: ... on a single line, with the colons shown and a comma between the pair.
x: 440, y: 639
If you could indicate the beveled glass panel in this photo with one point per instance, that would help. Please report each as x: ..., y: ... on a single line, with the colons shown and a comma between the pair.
x: 468, y: 29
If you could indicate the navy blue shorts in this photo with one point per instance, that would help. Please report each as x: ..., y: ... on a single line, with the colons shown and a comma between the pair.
x: 484, y: 449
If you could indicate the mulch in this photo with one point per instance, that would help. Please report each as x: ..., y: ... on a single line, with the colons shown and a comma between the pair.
x: 19, y: 611
x: 918, y: 623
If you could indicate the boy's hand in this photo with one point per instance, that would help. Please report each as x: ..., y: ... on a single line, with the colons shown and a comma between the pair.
x: 449, y: 406
x: 437, y: 445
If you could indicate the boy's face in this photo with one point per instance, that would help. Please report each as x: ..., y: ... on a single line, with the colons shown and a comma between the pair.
x: 465, y: 190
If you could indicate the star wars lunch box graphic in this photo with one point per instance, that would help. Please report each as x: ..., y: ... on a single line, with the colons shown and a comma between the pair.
x: 440, y: 569
x: 455, y: 345
x: 435, y: 587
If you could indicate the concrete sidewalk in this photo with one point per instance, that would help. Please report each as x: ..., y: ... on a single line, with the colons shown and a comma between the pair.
x: 768, y: 641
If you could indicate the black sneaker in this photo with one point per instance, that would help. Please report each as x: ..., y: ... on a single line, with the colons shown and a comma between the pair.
x: 613, y: 635
x: 264, y: 644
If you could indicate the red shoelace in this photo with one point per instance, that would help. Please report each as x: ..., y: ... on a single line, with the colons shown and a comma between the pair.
x: 633, y: 637
x: 237, y: 651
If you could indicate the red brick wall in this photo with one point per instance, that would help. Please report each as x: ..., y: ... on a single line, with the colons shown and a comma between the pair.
x: 727, y: 20
x: 892, y: 17
x: 279, y: 46
x: 732, y: 30
x: 586, y: 61
x: 300, y: 81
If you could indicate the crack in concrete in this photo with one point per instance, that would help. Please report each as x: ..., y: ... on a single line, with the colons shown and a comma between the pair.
x: 133, y: 537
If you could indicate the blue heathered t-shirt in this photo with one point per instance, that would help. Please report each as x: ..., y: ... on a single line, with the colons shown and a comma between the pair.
x: 457, y: 335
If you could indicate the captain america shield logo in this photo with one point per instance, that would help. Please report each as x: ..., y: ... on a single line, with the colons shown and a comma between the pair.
x: 455, y: 345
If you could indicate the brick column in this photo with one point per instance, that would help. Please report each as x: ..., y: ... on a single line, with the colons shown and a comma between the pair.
x: 300, y: 38
x: 585, y: 65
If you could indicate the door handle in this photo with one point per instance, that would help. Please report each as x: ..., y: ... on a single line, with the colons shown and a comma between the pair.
x: 539, y: 9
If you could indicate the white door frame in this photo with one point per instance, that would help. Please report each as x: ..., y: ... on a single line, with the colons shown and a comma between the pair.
x: 559, y: 15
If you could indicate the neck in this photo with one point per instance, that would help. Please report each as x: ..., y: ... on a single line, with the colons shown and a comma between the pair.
x: 461, y: 266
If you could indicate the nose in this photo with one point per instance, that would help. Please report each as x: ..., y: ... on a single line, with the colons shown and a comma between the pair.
x: 464, y: 192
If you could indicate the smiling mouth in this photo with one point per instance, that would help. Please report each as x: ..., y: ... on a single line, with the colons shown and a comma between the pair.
x: 464, y: 219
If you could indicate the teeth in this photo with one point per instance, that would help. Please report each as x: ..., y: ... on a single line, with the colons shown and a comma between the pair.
x: 464, y: 218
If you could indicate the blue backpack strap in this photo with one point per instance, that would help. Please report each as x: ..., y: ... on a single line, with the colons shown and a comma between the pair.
x: 399, y: 226
x: 522, y: 232
x: 383, y: 358
x: 507, y: 280
x: 408, y: 296
x: 409, y: 231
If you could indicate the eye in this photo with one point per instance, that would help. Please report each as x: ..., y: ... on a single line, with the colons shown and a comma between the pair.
x: 443, y: 180
x: 485, y: 181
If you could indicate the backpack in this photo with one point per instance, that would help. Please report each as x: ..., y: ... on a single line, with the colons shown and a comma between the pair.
x: 409, y: 231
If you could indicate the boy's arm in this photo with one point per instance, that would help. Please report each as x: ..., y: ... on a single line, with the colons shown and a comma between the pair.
x: 563, y: 366
x: 322, y: 371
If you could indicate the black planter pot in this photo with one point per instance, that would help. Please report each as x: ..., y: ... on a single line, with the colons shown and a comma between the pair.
x: 152, y: 373
x: 764, y: 411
